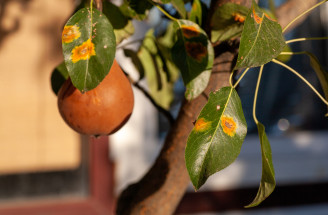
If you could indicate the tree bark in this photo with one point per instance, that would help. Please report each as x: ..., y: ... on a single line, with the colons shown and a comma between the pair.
x: 161, y: 189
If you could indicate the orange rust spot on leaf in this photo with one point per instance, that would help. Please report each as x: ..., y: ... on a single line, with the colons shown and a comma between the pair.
x: 229, y: 125
x: 196, y: 50
x: 70, y: 33
x: 238, y: 17
x: 267, y: 16
x: 202, y: 125
x: 189, y: 31
x: 257, y: 19
x: 83, y: 52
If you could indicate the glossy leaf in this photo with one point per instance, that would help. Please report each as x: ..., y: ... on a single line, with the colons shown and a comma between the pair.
x: 196, y: 12
x: 227, y: 21
x: 58, y: 77
x: 216, y: 140
x: 89, y: 48
x: 261, y: 40
x: 193, y: 54
x: 180, y: 7
x: 268, y: 182
x: 160, y: 88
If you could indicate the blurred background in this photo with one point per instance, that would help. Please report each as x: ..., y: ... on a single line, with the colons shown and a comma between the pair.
x: 41, y: 158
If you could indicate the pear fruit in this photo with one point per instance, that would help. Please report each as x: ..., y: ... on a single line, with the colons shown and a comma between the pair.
x: 100, y: 111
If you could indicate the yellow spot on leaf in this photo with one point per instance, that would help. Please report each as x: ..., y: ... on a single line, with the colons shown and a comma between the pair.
x: 257, y: 19
x: 202, y: 125
x: 196, y: 50
x: 189, y: 31
x: 229, y: 125
x: 70, y: 33
x: 83, y: 52
x: 238, y: 17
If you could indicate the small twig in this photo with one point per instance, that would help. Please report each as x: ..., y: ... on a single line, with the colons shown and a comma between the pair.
x: 166, y: 113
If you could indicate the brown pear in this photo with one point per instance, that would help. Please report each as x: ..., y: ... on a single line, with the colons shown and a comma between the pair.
x: 100, y: 111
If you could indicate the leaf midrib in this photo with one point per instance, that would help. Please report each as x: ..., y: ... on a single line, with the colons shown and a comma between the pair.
x: 217, y: 127
x: 256, y: 38
x: 87, y: 63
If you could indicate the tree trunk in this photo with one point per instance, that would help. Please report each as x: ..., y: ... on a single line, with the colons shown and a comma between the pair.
x: 161, y: 189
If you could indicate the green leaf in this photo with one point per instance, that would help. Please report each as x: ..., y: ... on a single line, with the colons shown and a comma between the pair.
x: 115, y: 15
x: 136, y: 61
x: 160, y: 88
x: 320, y: 71
x: 179, y: 5
x: 227, y: 21
x: 123, y: 27
x: 216, y: 140
x: 138, y: 8
x: 261, y: 40
x: 89, y: 48
x: 58, y: 77
x: 268, y: 182
x: 124, y: 33
x: 196, y: 12
x: 193, y: 54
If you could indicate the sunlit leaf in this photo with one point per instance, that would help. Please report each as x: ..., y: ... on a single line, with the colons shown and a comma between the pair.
x: 160, y: 88
x: 58, y: 77
x: 89, y: 48
x: 261, y: 40
x: 196, y: 12
x: 179, y: 5
x: 124, y: 33
x: 268, y: 182
x: 285, y: 58
x: 227, y: 21
x: 193, y: 54
x: 216, y: 140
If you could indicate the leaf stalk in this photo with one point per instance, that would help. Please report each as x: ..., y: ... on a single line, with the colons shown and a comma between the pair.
x: 304, y: 39
x: 302, y: 14
x: 302, y: 78
x: 256, y: 94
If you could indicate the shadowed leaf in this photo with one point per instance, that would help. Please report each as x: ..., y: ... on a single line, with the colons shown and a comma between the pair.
x: 193, y: 54
x: 136, y: 61
x: 58, y: 77
x: 268, y: 182
x: 227, y: 21
x: 320, y: 71
x: 261, y: 40
x: 89, y: 48
x: 123, y: 27
x: 216, y: 140
x: 180, y: 7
